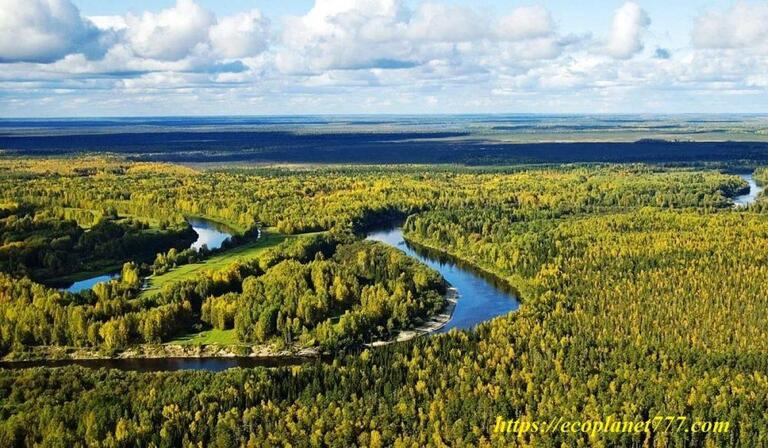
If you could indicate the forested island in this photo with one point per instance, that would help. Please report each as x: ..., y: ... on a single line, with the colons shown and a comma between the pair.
x: 642, y: 293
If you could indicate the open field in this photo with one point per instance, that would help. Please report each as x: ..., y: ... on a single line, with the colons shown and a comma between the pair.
x: 245, y: 252
x: 208, y: 337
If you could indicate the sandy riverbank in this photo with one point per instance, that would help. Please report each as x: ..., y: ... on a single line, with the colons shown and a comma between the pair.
x: 437, y: 322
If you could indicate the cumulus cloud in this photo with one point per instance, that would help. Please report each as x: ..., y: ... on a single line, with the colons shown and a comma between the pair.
x: 344, y: 34
x: 341, y: 54
x: 45, y: 31
x: 525, y: 22
x: 189, y: 30
x: 171, y: 34
x: 444, y: 23
x: 112, y: 23
x: 367, y: 34
x: 184, y: 38
x: 741, y: 26
x: 630, y: 22
x: 240, y: 36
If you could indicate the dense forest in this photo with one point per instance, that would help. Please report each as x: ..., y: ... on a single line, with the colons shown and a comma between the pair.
x: 643, y: 294
x: 45, y: 247
x: 297, y: 201
x: 394, y: 143
x: 368, y: 290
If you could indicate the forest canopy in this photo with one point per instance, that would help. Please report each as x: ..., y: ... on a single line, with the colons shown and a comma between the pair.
x: 643, y: 293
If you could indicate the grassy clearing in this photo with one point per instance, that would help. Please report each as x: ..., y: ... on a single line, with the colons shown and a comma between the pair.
x: 241, y: 253
x: 208, y: 337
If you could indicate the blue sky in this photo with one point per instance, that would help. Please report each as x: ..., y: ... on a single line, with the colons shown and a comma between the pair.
x: 271, y: 8
x: 212, y: 57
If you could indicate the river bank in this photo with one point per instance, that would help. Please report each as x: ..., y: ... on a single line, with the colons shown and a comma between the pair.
x: 488, y: 274
x: 749, y: 195
x: 483, y: 295
x: 156, y: 351
x: 474, y: 296
x: 436, y: 323
x: 46, y: 354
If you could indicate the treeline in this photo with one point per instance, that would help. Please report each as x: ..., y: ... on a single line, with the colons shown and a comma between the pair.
x: 316, y: 290
x: 106, y: 317
x: 662, y: 309
x: 365, y: 291
x: 44, y: 247
x: 111, y: 316
x: 173, y: 258
x: 299, y: 201
x: 291, y: 293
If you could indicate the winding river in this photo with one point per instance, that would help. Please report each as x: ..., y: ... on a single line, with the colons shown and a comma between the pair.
x: 481, y: 296
x: 754, y: 190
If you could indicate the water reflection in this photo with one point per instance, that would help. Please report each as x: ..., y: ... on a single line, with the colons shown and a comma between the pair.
x: 209, y: 233
x: 166, y: 364
x: 89, y: 283
x: 481, y: 296
x: 754, y: 190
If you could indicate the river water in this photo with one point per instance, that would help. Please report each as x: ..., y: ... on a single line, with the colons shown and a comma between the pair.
x: 754, y: 190
x: 209, y: 234
x: 164, y: 364
x: 481, y: 296
x: 89, y: 283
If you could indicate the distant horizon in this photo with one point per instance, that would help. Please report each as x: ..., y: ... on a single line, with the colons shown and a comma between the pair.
x: 426, y: 114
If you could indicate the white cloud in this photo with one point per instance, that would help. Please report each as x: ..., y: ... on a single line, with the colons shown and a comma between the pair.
x: 366, y: 34
x: 171, y: 34
x: 525, y: 22
x: 114, y: 23
x: 183, y: 38
x: 741, y: 26
x: 630, y: 22
x: 344, y: 34
x: 343, y: 55
x: 445, y: 23
x: 45, y: 30
x: 240, y: 36
x: 187, y: 29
